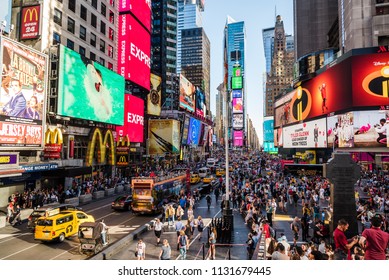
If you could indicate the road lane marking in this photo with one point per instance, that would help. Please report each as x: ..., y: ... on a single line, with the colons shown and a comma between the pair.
x: 28, y: 248
x: 13, y: 236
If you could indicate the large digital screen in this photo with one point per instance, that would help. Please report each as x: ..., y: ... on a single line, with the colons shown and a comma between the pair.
x: 134, y: 51
x: 268, y: 130
x: 236, y: 93
x: 154, y: 97
x: 87, y: 90
x: 358, y: 129
x: 200, y: 102
x: 164, y: 136
x: 141, y: 9
x: 187, y: 94
x: 238, y: 138
x: 311, y: 134
x: 194, y: 131
x: 237, y: 105
x: 29, y: 25
x: 185, y: 131
x: 237, y: 121
x: 236, y: 82
x: 133, y: 119
x: 22, y: 95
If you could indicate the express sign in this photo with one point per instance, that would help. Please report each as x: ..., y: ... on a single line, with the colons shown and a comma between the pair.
x: 133, y: 120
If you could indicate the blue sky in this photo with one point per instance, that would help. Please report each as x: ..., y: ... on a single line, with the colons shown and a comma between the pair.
x: 257, y: 15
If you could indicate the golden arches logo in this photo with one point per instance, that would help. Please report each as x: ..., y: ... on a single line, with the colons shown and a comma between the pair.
x: 123, y: 141
x: 53, y: 136
x: 103, y: 146
x: 377, y: 83
x: 33, y: 11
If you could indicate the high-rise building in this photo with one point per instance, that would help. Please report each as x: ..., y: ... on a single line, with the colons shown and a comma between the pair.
x: 196, y: 60
x: 280, y: 77
x: 188, y: 16
x: 220, y: 107
x: 164, y: 49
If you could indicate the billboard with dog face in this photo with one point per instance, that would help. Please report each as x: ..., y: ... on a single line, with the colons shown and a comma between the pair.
x: 87, y: 90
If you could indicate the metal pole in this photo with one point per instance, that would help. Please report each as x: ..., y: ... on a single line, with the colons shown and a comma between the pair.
x: 226, y: 147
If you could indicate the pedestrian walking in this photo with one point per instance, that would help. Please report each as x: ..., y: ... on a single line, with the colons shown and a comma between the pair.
x: 374, y: 240
x: 140, y: 250
x: 200, y: 226
x: 212, y: 242
x: 165, y: 250
x: 158, y: 230
x: 183, y: 244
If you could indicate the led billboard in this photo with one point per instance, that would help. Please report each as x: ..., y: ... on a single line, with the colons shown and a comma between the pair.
x: 200, y: 102
x: 358, y: 129
x: 185, y: 131
x: 29, y: 22
x: 133, y: 119
x: 237, y: 105
x: 236, y: 82
x: 22, y: 95
x: 154, y: 97
x: 237, y: 93
x: 164, y: 136
x: 187, y: 94
x: 194, y: 131
x: 141, y: 9
x: 268, y: 130
x: 238, y: 138
x: 134, y: 51
x: 237, y: 121
x: 87, y: 90
x: 311, y: 134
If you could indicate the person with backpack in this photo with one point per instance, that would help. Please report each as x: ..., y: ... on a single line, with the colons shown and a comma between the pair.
x: 183, y: 244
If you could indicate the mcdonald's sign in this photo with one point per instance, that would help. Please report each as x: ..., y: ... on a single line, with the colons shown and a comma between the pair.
x: 29, y: 22
x: 53, y: 143
x: 104, y: 145
x: 122, y: 160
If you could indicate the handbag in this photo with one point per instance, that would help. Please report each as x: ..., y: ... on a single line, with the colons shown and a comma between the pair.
x: 136, y: 254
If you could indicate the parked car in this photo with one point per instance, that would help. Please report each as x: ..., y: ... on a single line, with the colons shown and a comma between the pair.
x: 122, y: 202
x: 48, y: 211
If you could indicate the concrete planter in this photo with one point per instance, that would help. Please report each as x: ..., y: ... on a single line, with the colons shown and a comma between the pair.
x: 2, y: 221
x: 109, y: 192
x: 119, y: 188
x: 85, y: 198
x: 74, y: 201
x: 98, y: 194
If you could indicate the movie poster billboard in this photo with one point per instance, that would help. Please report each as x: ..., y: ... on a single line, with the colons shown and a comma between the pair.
x: 22, y: 95
x: 134, y: 51
x: 200, y: 102
x: 278, y: 137
x: 141, y: 9
x: 238, y: 138
x: 187, y: 94
x: 164, y: 136
x: 194, y: 132
x: 29, y: 22
x: 87, y: 90
x: 237, y: 105
x: 154, y: 97
x: 237, y: 121
x: 133, y: 119
x: 360, y: 129
x: 311, y: 134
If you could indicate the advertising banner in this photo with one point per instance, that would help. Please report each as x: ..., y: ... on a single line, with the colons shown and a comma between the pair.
x: 122, y: 156
x: 133, y: 119
x: 236, y: 72
x: 140, y: 8
x: 53, y: 143
x: 238, y: 138
x: 187, y: 94
x: 6, y: 12
x: 22, y: 95
x: 164, y: 136
x: 154, y: 97
x: 194, y: 131
x: 237, y: 93
x: 278, y: 137
x: 105, y: 145
x: 29, y: 25
x: 206, y: 135
x: 185, y: 131
x: 87, y: 90
x: 236, y: 82
x: 237, y: 105
x: 311, y: 134
x: 268, y: 131
x: 358, y: 129
x: 237, y: 121
x: 134, y: 51
x: 200, y: 102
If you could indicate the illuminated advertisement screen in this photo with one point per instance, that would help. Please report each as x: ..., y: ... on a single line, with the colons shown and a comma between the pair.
x: 236, y: 72
x: 201, y: 138
x: 185, y: 131
x: 237, y: 121
x: 133, y: 119
x: 140, y: 8
x: 187, y: 94
x: 6, y: 12
x: 238, y: 138
x: 268, y: 131
x: 311, y: 134
x: 236, y: 82
x: 154, y: 97
x: 358, y: 129
x: 200, y: 102
x: 134, y: 51
x: 164, y: 136
x: 194, y: 131
x: 29, y: 26
x: 87, y: 90
x: 278, y: 137
x: 268, y: 147
x: 237, y: 93
x: 22, y: 95
x: 205, y: 134
x: 237, y: 105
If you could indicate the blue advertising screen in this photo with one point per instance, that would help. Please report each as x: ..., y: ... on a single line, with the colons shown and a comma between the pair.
x: 236, y: 93
x: 268, y: 130
x: 194, y: 131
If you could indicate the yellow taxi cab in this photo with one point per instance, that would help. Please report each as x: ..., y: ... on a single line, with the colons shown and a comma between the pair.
x: 220, y: 172
x: 194, y: 178
x: 208, y: 179
x: 60, y: 226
